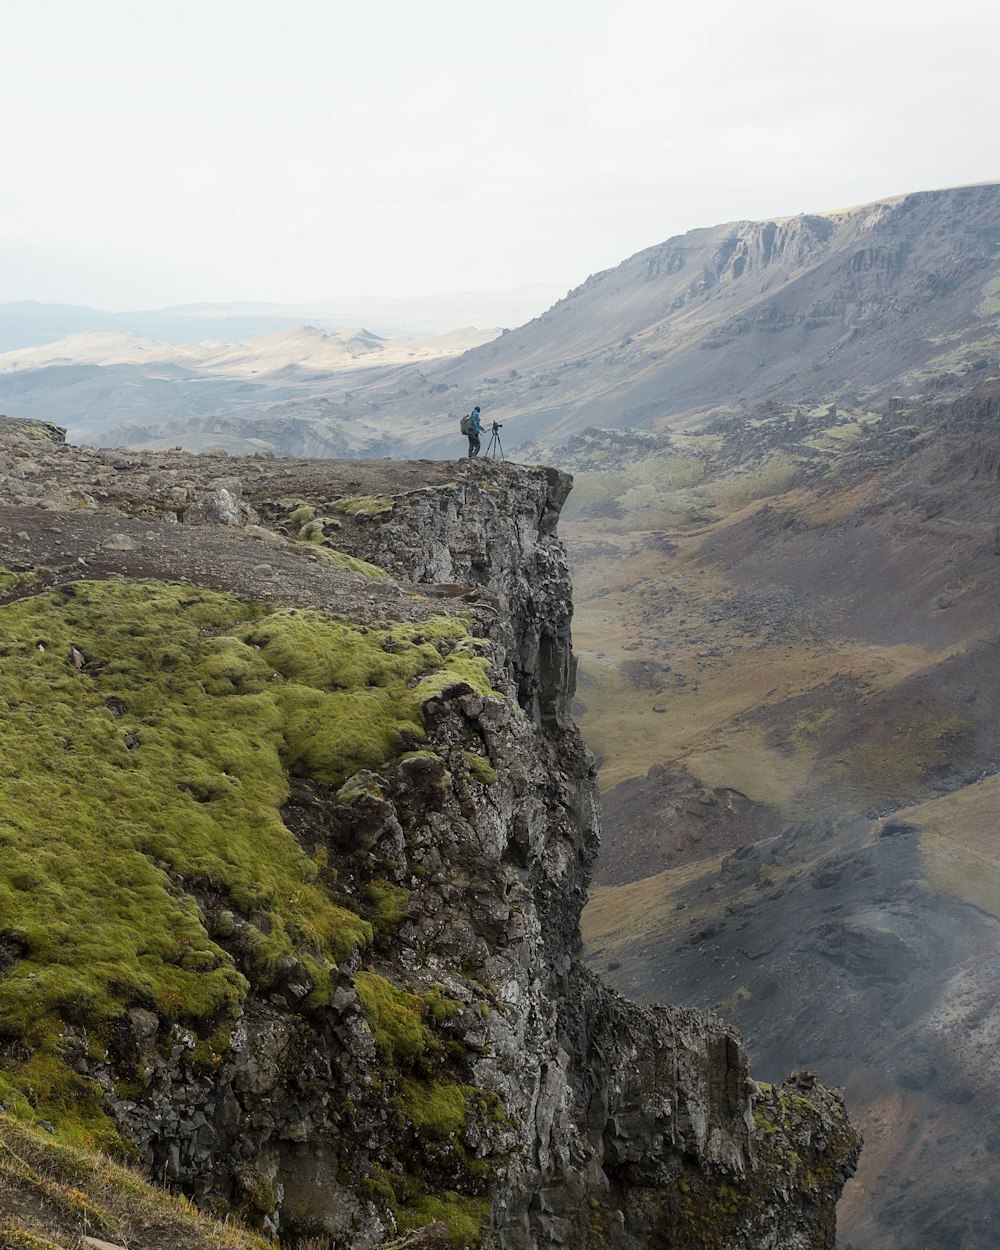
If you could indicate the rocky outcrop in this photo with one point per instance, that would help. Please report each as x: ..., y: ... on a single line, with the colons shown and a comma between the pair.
x: 463, y: 1065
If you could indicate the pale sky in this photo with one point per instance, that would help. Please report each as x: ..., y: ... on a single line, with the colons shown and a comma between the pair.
x: 157, y: 153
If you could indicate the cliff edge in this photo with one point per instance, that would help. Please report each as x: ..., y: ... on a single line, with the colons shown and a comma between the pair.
x: 300, y: 829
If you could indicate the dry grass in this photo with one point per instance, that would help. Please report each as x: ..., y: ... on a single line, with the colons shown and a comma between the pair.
x: 960, y: 839
x: 617, y: 915
x: 661, y: 607
x: 742, y: 761
x: 53, y: 1195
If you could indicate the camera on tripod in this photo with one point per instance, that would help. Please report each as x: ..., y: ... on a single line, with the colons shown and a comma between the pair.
x: 495, y: 448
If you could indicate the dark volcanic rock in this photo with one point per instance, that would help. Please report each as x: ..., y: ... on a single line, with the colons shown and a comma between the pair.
x: 595, y: 1122
x: 668, y: 818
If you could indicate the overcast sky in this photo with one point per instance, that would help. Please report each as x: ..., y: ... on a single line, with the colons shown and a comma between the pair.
x: 159, y: 153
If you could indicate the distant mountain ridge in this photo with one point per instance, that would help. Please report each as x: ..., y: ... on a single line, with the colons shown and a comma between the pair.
x: 898, y: 298
x: 29, y: 323
x: 902, y: 294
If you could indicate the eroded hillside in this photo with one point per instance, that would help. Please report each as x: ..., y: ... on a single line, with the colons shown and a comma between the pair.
x: 297, y: 831
x: 787, y: 631
x: 898, y: 298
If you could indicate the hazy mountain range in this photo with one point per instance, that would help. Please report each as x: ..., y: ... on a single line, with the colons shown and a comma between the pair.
x: 900, y: 297
x: 30, y: 324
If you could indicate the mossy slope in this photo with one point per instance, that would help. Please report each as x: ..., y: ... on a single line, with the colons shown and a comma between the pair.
x: 148, y: 733
x: 436, y: 1173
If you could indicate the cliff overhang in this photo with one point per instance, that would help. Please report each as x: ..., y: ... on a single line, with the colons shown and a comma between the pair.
x: 359, y: 672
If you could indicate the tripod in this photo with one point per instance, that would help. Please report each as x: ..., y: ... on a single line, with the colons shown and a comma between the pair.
x: 495, y: 445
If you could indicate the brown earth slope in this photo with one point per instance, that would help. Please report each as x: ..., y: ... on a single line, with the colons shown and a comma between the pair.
x: 793, y: 693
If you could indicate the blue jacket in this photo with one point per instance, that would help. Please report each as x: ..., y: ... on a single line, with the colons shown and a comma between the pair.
x: 474, y: 426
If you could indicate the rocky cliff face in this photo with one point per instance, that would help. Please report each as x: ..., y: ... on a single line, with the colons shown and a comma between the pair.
x: 449, y: 1058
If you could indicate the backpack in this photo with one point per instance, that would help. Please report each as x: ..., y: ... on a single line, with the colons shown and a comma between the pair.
x: 465, y: 425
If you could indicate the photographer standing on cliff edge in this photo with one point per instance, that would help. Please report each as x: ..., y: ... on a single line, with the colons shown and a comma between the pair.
x: 470, y: 426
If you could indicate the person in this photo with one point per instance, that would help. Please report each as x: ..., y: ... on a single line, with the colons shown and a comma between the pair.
x: 475, y: 429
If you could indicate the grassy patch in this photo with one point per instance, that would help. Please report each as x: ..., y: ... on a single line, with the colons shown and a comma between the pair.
x: 892, y: 765
x: 771, y: 477
x: 959, y: 842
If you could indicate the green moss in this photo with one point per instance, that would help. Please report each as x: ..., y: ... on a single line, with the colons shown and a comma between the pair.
x: 438, y: 1006
x: 364, y: 505
x: 302, y: 515
x: 310, y: 527
x: 481, y: 769
x: 358, y: 785
x: 412, y: 1206
x: 353, y: 696
x: 312, y: 532
x: 435, y: 776
x: 396, y: 1018
x: 11, y: 581
x: 434, y: 1112
x: 706, y: 1214
x: 161, y: 765
x: 437, y: 1109
x: 464, y: 1216
x: 388, y: 905
x: 256, y: 1197
x: 341, y: 560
